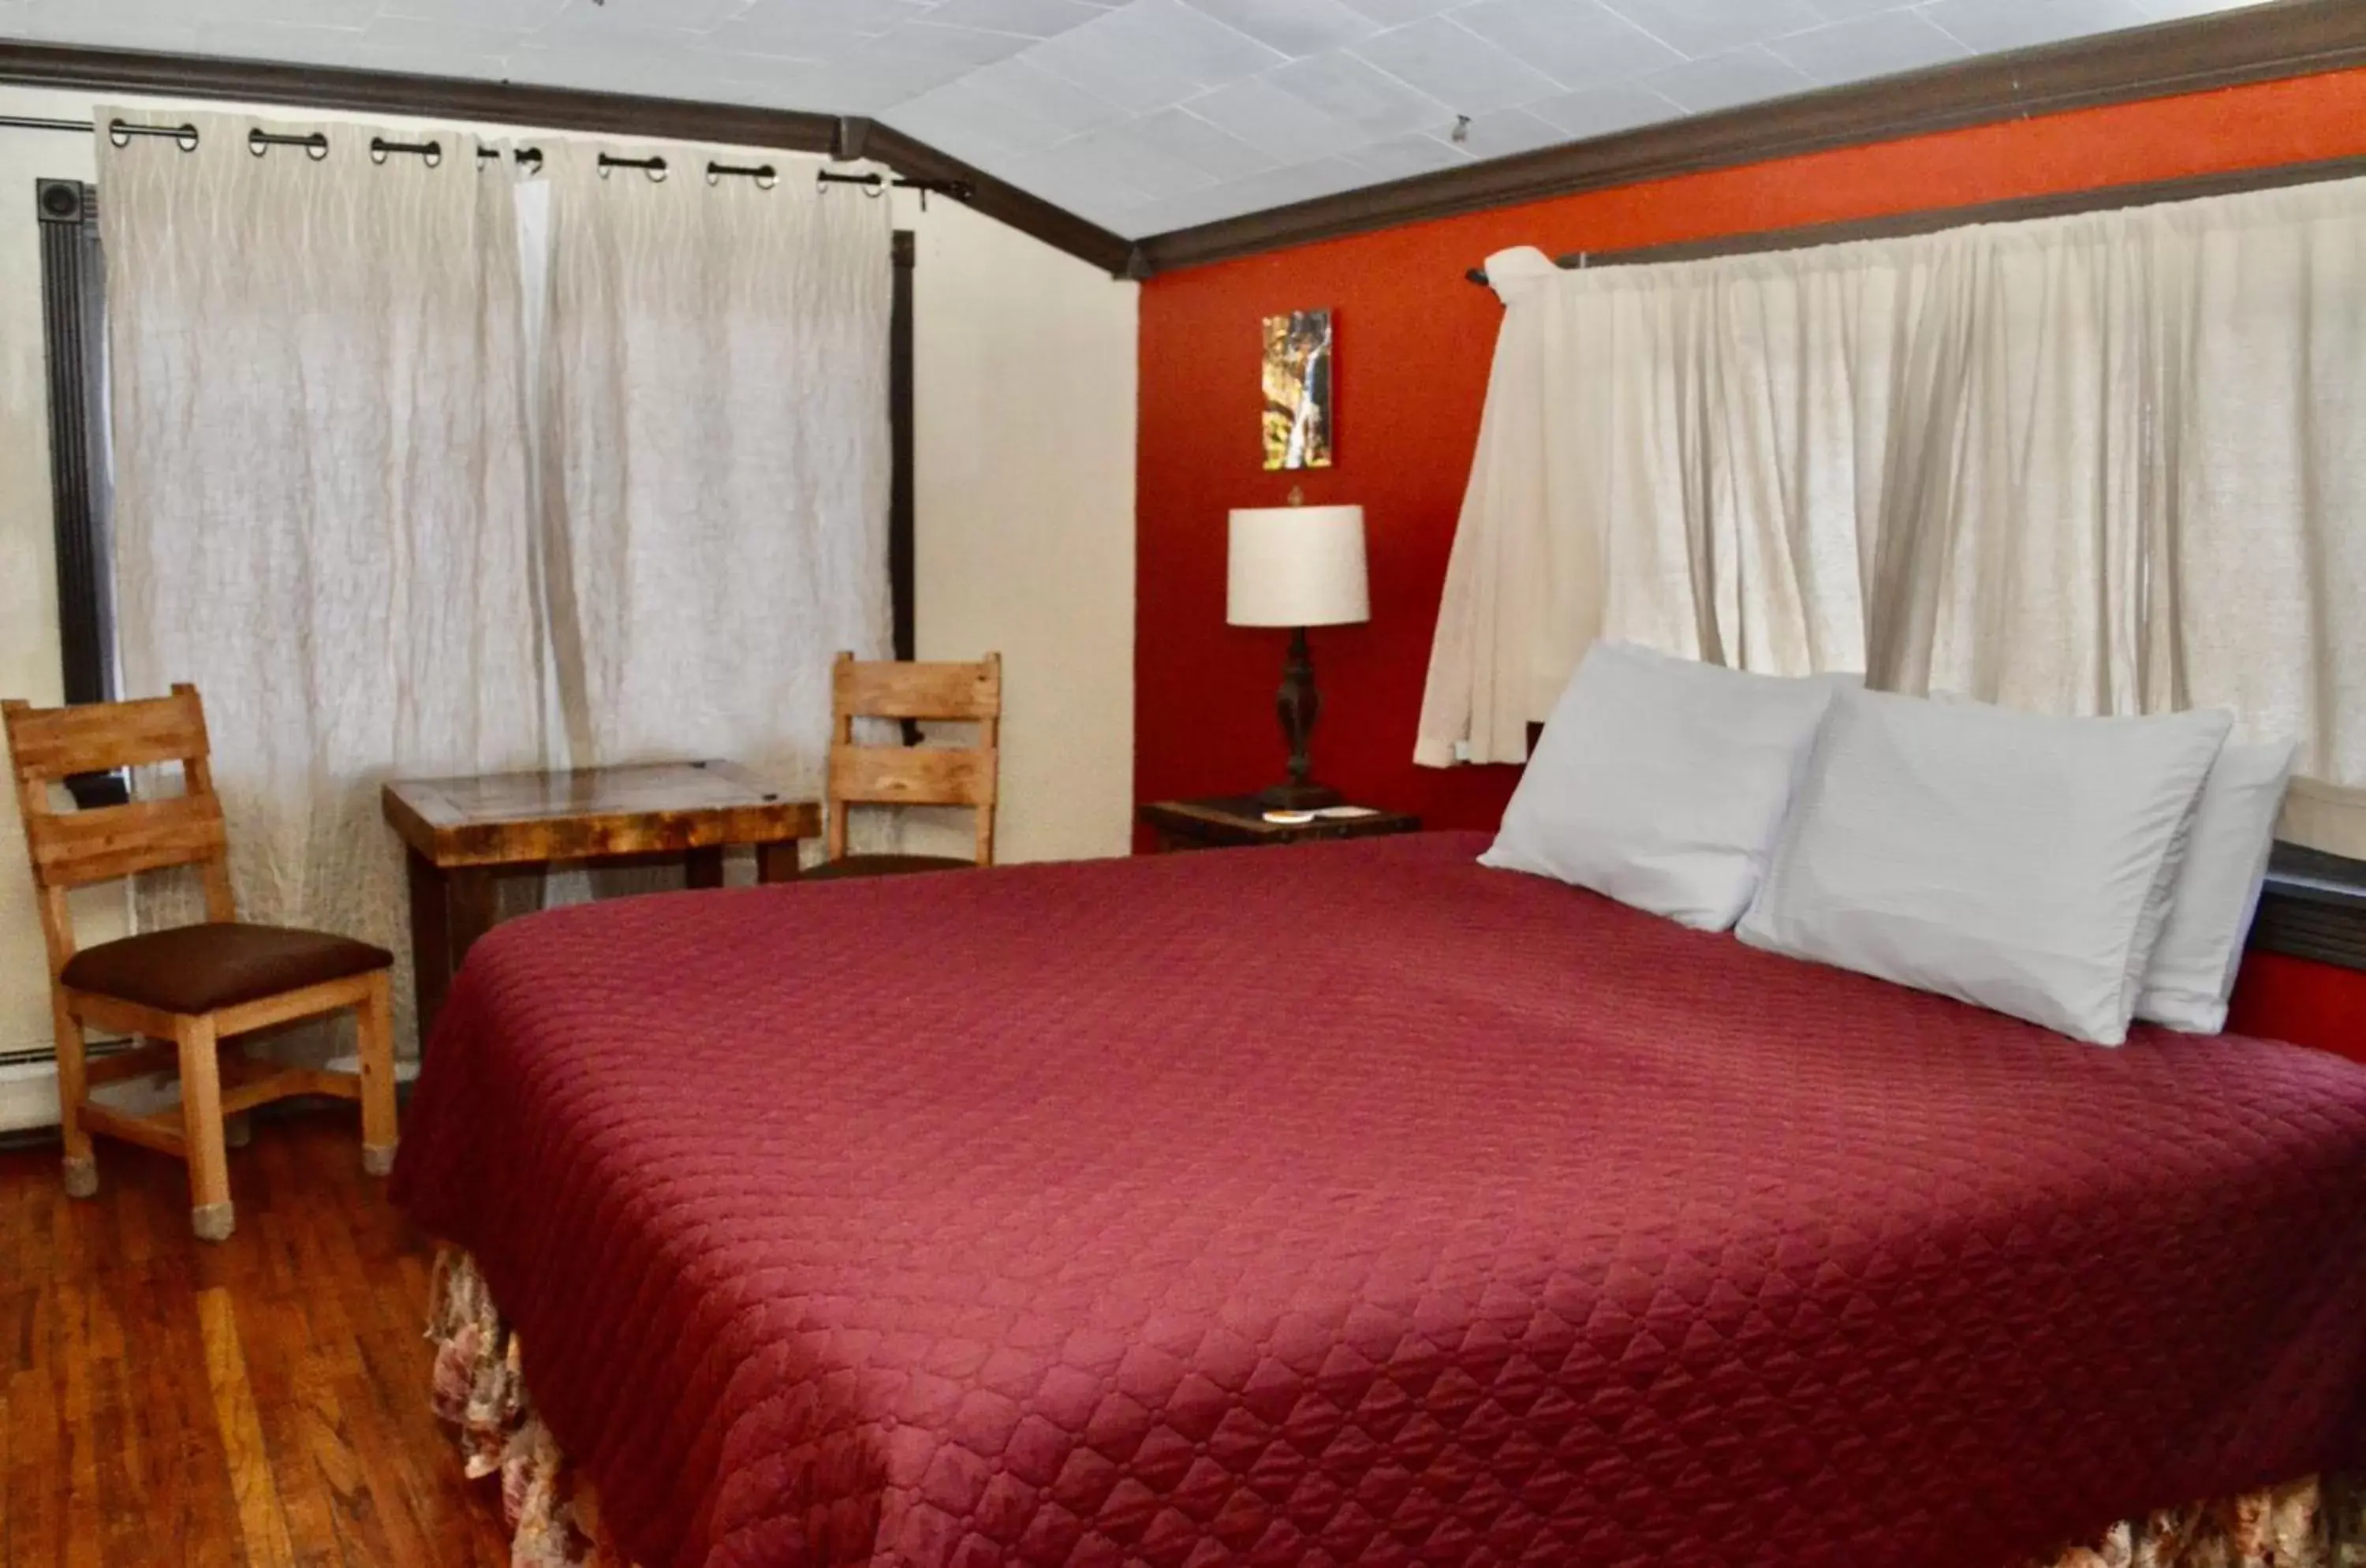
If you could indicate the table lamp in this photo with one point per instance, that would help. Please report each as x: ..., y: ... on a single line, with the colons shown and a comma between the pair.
x: 1297, y: 566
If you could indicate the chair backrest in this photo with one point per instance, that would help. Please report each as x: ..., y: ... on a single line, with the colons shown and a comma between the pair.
x: 104, y: 843
x: 914, y: 775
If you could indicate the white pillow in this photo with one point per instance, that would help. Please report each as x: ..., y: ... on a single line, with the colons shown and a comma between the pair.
x: 2004, y: 859
x: 1662, y: 782
x: 2216, y: 892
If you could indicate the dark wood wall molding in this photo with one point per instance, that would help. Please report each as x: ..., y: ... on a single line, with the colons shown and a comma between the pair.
x: 2291, y: 37
x: 144, y: 75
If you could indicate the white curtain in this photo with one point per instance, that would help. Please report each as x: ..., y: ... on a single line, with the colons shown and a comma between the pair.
x: 2110, y: 463
x: 714, y: 420
x: 321, y: 487
x: 424, y: 471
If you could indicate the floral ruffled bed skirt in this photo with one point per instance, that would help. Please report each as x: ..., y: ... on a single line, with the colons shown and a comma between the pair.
x: 555, y: 1516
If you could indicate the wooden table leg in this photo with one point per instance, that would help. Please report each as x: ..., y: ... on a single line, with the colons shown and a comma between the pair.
x: 703, y: 868
x: 777, y: 862
x: 474, y: 899
x: 431, y: 939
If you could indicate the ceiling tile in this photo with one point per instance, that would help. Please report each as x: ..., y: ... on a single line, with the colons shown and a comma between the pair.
x: 775, y: 27
x: 1456, y: 66
x: 799, y: 18
x: 1278, y: 187
x: 1153, y: 54
x: 1106, y: 162
x: 1606, y: 110
x: 1160, y: 217
x: 1180, y: 133
x: 1990, y: 25
x: 419, y: 38
x: 1849, y: 10
x: 1033, y: 18
x: 523, y: 16
x: 916, y: 57
x: 278, y: 40
x: 1356, y: 93
x: 352, y: 13
x: 1026, y: 90
x: 965, y: 47
x: 1578, y: 43
x: 2170, y: 10
x: 1881, y: 44
x: 1723, y: 81
x: 958, y: 115
x: 1114, y: 70
x: 1278, y: 123
x: 1401, y: 157
x: 625, y: 19
x: 1397, y: 13
x: 1293, y: 26
x: 1698, y: 29
x: 106, y: 32
x: 1209, y: 51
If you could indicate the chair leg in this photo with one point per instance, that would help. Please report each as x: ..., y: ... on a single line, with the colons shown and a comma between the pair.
x: 201, y: 1122
x: 81, y: 1165
x: 374, y: 1023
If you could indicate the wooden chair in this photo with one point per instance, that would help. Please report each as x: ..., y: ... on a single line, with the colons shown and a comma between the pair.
x: 911, y: 775
x: 186, y: 989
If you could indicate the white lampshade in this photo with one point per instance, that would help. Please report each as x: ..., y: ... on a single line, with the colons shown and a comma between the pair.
x: 1297, y: 565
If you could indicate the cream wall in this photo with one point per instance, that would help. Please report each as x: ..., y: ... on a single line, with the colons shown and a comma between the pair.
x: 28, y: 583
x: 1024, y: 388
x: 1024, y: 432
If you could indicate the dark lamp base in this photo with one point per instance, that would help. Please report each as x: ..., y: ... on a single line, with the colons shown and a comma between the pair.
x: 1297, y: 798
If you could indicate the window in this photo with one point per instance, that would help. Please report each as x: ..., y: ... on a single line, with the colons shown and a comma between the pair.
x: 73, y: 300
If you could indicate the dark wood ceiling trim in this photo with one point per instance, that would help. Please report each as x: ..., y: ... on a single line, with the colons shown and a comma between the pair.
x: 2290, y: 38
x: 147, y: 74
x: 440, y: 98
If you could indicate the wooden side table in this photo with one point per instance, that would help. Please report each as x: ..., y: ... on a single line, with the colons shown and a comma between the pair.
x: 461, y: 834
x: 1235, y: 820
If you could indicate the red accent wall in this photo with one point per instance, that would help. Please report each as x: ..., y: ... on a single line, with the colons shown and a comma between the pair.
x: 1415, y: 343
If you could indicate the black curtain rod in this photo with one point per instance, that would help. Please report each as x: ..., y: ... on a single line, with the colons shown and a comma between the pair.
x: 960, y: 190
x: 316, y: 145
x: 1935, y: 219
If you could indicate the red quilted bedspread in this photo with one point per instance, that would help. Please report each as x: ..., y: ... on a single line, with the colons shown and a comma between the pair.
x: 1355, y: 1204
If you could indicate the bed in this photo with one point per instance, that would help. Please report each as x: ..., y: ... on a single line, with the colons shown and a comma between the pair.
x: 1352, y: 1203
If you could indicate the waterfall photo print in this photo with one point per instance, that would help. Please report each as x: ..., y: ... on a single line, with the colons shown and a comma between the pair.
x: 1299, y: 356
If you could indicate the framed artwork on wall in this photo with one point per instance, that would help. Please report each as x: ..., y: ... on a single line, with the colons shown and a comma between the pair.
x: 1300, y: 365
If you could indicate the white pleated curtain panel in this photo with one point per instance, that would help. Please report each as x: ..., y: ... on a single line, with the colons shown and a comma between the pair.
x: 423, y: 471
x: 715, y: 458
x: 320, y: 491
x: 2109, y: 463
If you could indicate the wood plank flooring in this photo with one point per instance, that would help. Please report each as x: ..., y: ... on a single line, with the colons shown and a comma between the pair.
x: 260, y: 1401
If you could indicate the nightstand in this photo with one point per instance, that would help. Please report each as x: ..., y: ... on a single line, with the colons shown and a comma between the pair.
x: 1235, y: 820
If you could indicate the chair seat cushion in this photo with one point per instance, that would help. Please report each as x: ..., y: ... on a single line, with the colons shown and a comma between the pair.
x: 885, y: 865
x: 193, y: 969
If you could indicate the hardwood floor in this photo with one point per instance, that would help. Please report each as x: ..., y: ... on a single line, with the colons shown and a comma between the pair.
x: 259, y: 1401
